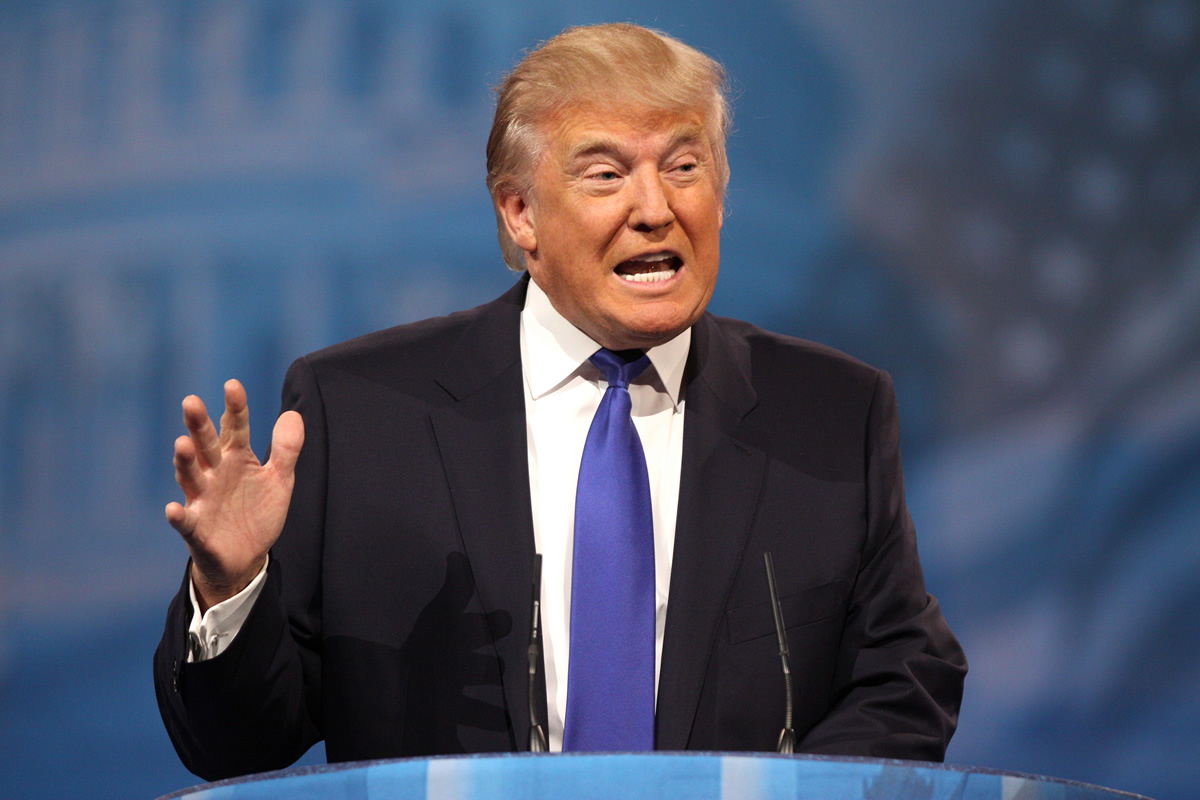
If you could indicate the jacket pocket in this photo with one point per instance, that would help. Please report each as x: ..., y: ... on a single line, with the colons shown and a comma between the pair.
x: 799, y: 608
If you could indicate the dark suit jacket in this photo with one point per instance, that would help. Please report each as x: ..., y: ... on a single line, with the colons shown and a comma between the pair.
x: 395, y: 619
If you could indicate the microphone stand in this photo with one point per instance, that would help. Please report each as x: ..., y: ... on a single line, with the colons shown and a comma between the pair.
x: 537, y: 736
x: 787, y: 737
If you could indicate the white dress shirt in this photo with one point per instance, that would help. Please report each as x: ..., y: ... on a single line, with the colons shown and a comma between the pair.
x: 210, y: 633
x: 562, y: 392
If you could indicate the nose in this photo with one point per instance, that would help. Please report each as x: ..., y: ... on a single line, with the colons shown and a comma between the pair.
x: 650, y: 206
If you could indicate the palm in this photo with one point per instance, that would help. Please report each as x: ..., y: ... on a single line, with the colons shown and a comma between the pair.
x: 234, y: 506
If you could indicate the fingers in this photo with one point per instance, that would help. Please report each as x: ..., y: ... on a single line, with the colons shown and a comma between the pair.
x: 203, y: 433
x: 188, y: 472
x: 180, y: 519
x: 286, y: 441
x: 235, y: 422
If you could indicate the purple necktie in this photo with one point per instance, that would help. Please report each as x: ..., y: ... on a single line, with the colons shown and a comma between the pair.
x: 610, y: 683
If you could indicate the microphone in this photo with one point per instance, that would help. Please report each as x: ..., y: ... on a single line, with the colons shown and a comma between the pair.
x: 787, y: 737
x: 537, y: 735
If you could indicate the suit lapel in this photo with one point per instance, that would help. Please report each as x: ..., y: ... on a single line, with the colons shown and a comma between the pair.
x: 719, y: 487
x: 482, y: 440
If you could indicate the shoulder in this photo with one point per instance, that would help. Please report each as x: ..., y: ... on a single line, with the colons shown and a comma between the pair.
x: 775, y: 362
x: 417, y: 350
x: 812, y: 405
x: 424, y: 340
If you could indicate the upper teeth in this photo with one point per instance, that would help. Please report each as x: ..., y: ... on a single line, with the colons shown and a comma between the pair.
x: 653, y: 257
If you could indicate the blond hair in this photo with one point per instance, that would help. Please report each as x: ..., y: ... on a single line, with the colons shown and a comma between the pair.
x: 615, y: 62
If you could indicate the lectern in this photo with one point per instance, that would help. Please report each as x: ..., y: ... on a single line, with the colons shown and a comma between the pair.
x: 644, y: 776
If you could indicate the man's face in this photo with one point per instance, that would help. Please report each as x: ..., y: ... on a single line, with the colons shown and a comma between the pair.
x: 622, y: 228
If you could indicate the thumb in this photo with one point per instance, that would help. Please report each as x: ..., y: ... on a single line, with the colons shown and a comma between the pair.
x: 286, y: 440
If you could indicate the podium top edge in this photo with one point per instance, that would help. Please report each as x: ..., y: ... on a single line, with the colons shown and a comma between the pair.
x: 347, y: 766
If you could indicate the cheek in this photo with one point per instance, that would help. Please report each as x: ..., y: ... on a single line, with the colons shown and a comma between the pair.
x: 706, y: 245
x: 703, y: 219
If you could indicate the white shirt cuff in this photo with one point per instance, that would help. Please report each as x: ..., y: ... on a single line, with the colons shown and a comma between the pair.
x: 209, y: 634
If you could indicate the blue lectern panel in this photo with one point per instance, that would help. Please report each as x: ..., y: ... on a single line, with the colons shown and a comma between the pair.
x: 661, y: 776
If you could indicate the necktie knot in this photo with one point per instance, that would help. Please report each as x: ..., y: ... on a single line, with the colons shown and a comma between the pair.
x: 620, y: 367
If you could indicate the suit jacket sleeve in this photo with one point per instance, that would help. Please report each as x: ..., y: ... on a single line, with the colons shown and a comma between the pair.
x: 899, y: 676
x: 256, y: 707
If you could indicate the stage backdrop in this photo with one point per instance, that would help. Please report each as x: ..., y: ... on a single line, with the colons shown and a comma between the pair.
x: 996, y: 201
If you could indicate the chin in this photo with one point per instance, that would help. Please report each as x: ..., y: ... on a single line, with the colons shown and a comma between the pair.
x: 644, y: 337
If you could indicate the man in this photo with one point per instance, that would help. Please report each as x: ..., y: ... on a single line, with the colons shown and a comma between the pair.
x: 370, y: 584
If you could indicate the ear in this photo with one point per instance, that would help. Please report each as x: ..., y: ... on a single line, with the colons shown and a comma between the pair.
x: 517, y: 215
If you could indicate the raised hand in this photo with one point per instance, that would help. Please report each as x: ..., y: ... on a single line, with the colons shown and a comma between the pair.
x: 234, y: 506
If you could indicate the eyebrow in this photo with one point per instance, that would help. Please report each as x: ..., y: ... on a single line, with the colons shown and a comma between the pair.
x: 603, y: 145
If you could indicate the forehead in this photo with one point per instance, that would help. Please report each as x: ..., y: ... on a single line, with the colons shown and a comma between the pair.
x: 579, y: 129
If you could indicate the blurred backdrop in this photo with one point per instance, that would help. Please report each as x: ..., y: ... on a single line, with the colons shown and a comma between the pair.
x: 998, y: 202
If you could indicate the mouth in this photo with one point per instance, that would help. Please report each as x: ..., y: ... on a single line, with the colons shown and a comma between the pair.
x: 649, y: 268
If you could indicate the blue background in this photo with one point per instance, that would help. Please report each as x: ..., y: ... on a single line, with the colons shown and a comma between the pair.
x: 998, y: 202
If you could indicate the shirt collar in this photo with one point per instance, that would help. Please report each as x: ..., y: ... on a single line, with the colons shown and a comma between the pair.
x: 554, y: 349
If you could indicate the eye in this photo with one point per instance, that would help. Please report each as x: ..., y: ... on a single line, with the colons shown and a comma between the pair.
x: 686, y: 169
x: 603, y: 175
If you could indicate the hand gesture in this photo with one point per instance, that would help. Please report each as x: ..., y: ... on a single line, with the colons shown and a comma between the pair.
x: 234, y: 507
